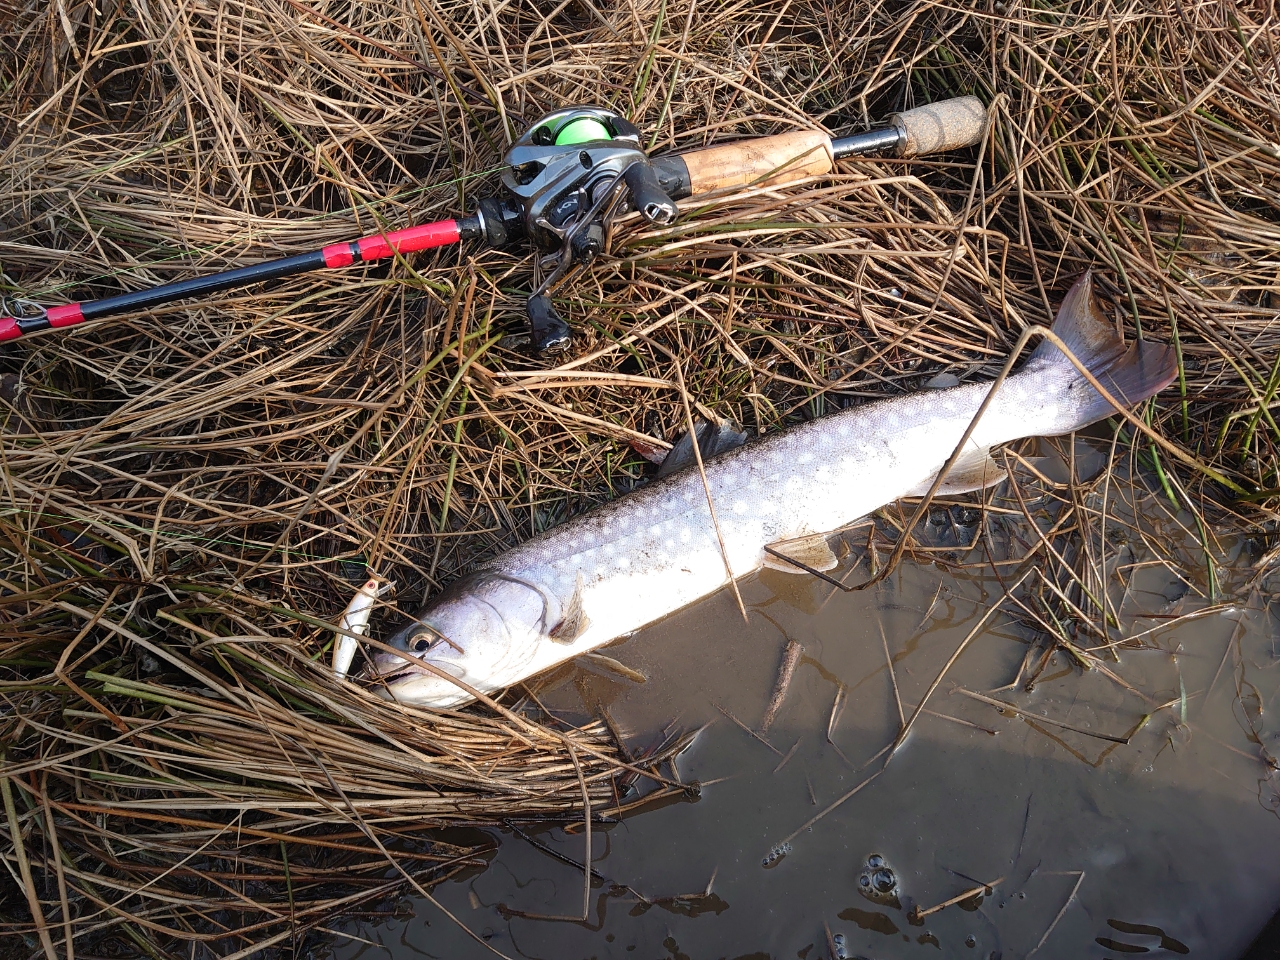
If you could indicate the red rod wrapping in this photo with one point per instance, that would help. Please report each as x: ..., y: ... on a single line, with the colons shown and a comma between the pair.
x: 65, y: 316
x: 423, y: 237
x: 339, y: 255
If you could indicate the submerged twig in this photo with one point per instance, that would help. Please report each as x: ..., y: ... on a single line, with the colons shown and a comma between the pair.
x: 790, y: 658
x: 1071, y: 896
x: 742, y: 726
x: 917, y: 915
x: 973, y: 632
x: 1004, y: 706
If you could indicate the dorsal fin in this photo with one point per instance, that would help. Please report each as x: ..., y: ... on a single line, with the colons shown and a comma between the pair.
x: 713, y: 439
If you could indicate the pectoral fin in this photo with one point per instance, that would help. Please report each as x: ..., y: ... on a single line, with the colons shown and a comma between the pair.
x: 975, y: 470
x: 574, y: 622
x: 813, y: 551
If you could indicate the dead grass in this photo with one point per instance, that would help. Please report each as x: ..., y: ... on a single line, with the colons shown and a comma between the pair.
x: 190, y: 495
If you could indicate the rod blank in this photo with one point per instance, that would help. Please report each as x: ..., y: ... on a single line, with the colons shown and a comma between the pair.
x: 334, y: 256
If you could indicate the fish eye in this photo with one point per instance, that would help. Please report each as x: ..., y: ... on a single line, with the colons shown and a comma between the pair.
x: 427, y: 638
x: 423, y: 643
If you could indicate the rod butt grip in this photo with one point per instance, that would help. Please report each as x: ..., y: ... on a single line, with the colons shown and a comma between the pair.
x: 942, y: 126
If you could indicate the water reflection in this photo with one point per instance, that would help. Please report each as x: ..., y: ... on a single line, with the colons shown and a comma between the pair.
x: 1125, y: 810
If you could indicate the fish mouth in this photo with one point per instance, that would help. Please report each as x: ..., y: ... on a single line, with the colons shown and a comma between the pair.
x: 415, y: 686
x: 406, y: 669
x: 378, y: 676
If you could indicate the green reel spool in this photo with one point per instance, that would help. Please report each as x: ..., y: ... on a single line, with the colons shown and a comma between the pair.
x: 582, y: 130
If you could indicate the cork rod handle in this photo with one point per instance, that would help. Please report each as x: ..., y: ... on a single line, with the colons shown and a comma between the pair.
x: 782, y: 158
x: 787, y: 157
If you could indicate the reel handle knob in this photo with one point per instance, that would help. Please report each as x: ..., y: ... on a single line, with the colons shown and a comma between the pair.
x: 587, y: 244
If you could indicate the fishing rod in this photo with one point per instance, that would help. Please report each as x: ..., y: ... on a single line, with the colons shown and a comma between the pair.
x: 565, y: 179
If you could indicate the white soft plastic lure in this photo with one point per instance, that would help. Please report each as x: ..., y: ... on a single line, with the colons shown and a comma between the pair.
x: 355, y: 619
x: 646, y: 555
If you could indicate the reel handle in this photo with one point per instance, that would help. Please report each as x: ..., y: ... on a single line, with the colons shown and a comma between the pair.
x: 787, y: 157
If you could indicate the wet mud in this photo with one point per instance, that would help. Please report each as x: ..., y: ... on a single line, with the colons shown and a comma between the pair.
x: 1095, y: 816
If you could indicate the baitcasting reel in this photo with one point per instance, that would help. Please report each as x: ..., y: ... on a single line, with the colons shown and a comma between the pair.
x: 566, y: 178
x: 567, y: 173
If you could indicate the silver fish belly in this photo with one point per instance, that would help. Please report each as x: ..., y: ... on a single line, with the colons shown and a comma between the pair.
x: 635, y: 560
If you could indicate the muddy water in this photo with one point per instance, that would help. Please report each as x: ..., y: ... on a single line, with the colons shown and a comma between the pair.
x: 1168, y: 845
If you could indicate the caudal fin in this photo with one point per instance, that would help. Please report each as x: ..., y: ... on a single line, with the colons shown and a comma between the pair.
x: 1130, y: 374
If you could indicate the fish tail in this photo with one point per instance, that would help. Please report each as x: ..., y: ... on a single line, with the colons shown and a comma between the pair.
x: 1129, y: 373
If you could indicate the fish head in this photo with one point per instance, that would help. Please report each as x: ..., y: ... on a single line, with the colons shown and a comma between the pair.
x: 482, y: 631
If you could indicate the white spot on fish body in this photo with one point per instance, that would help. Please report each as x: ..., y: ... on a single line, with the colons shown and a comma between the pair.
x: 805, y: 458
x: 739, y: 507
x: 685, y: 535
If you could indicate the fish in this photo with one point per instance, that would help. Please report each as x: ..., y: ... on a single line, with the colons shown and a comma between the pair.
x: 628, y: 563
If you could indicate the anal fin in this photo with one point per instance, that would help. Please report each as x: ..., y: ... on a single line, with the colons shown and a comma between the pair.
x: 975, y: 470
x: 813, y: 551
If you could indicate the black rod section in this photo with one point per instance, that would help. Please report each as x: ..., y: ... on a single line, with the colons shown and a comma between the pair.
x: 199, y: 286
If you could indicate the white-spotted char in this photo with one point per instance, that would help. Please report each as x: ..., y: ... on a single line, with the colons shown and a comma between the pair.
x: 635, y: 560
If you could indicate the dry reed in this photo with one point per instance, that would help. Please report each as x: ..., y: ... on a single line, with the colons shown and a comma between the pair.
x: 191, y: 495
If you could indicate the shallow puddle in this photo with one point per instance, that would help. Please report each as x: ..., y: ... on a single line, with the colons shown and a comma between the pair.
x: 1167, y: 845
